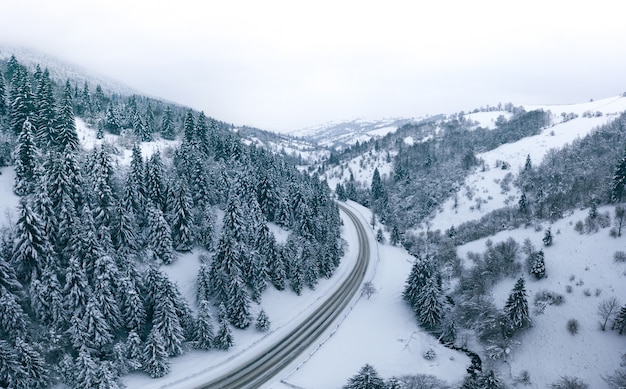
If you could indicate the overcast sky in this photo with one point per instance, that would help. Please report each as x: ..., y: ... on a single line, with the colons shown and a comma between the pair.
x: 284, y: 65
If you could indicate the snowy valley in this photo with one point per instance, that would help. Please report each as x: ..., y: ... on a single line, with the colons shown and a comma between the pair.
x: 150, y: 246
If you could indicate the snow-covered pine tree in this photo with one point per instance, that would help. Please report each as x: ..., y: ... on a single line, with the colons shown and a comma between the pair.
x: 238, y: 303
x: 538, y: 266
x: 155, y: 182
x: 29, y: 250
x: 12, y: 317
x: 619, y: 324
x: 516, y: 307
x: 262, y: 321
x: 106, y: 276
x: 223, y: 338
x: 132, y: 305
x: 366, y: 378
x: 66, y: 135
x: 22, y: 104
x: 155, y: 357
x: 34, y: 373
x: 429, y: 303
x: 133, y: 348
x: 10, y: 367
x: 619, y: 180
x: 276, y: 267
x: 204, y: 327
x: 85, y: 370
x: 182, y: 232
x: 167, y: 323
x: 167, y: 125
x: 99, y: 333
x: 204, y: 226
x: 26, y: 160
x: 160, y: 236
x: 421, y: 271
x: 112, y: 121
x: 4, y: 108
x: 46, y: 112
x: 189, y: 128
x: 203, y: 283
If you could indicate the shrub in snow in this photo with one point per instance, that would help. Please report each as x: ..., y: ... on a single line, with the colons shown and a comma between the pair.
x: 430, y: 354
x: 420, y: 381
x: 579, y: 227
x: 619, y: 256
x: 262, y: 321
x: 572, y: 326
x: 523, y: 378
x: 569, y: 383
x: 569, y: 288
x: 547, y: 297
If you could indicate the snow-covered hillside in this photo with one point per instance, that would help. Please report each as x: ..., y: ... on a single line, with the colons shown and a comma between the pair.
x: 341, y: 134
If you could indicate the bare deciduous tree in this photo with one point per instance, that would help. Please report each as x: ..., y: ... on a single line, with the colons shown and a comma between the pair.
x: 606, y: 309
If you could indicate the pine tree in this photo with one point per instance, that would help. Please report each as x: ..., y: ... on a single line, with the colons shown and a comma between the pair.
x: 106, y: 275
x: 202, y: 133
x: 204, y: 327
x: 421, y: 272
x: 133, y: 351
x: 262, y: 321
x: 528, y: 165
x: 4, y: 108
x: 86, y: 370
x: 98, y: 331
x: 238, y: 303
x: 490, y: 381
x: 22, y: 101
x: 429, y: 304
x: 167, y: 323
x: 224, y: 337
x: 26, y: 161
x: 45, y: 118
x: 189, y: 128
x: 182, y: 233
x: 155, y: 357
x: 340, y: 192
x: 112, y: 121
x: 160, y: 236
x: 67, y: 137
x: 155, y: 186
x: 619, y: 180
x: 167, y: 125
x: 203, y: 284
x: 34, y: 373
x: 10, y: 367
x: 29, y: 253
x: 516, y: 307
x: 619, y: 324
x: 538, y: 266
x: 132, y: 305
x: 76, y: 289
x: 366, y: 378
x: 12, y: 317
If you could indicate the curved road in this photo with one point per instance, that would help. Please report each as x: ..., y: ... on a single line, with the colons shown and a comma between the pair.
x: 277, y: 356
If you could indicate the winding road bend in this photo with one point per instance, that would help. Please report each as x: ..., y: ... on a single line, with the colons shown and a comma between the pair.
x: 271, y: 360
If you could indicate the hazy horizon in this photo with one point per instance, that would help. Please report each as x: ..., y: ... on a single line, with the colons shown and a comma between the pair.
x: 282, y: 66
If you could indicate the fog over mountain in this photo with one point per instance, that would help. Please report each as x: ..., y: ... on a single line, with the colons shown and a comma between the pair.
x: 283, y: 66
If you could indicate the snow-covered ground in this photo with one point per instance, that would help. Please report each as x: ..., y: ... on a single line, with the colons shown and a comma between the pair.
x: 585, y: 263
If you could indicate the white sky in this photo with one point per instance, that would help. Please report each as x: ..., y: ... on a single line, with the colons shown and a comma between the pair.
x: 283, y: 65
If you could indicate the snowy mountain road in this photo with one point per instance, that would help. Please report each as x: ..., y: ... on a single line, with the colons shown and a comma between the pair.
x: 266, y: 364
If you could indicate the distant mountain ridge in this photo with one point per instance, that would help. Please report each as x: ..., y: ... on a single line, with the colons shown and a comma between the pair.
x: 60, y: 70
